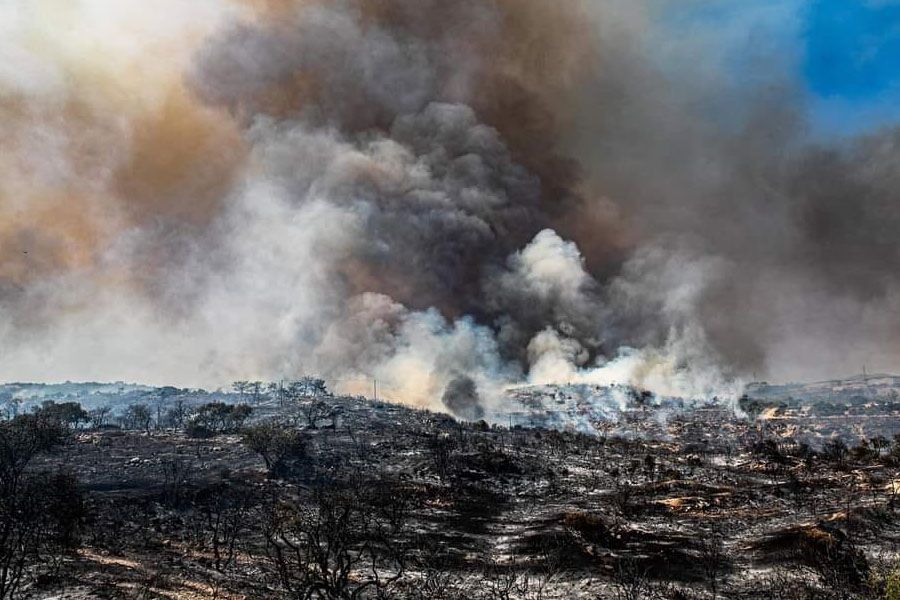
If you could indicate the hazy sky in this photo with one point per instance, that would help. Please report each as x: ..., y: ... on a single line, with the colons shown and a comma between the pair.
x: 846, y: 53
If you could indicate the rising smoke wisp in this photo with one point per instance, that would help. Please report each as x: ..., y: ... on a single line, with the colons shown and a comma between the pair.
x: 426, y: 193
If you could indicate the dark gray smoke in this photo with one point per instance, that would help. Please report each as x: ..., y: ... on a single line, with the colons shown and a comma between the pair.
x: 461, y: 398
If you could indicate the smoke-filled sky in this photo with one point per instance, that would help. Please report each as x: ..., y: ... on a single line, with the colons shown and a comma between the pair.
x: 678, y: 195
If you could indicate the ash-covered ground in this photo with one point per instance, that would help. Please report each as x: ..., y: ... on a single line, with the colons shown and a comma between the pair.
x: 256, y: 494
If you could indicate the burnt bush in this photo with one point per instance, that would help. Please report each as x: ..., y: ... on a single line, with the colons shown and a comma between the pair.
x: 825, y: 550
x: 771, y: 451
x: 40, y: 513
x: 343, y: 542
x: 835, y: 451
x: 592, y: 528
x: 220, y: 517
x: 197, y: 430
x: 487, y: 463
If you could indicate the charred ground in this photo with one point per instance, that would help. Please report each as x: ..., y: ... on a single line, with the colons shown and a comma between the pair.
x: 350, y: 498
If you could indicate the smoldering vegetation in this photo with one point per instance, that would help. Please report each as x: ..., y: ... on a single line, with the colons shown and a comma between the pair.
x: 290, y: 492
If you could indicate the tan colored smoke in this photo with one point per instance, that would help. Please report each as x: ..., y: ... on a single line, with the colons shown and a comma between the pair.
x: 108, y: 141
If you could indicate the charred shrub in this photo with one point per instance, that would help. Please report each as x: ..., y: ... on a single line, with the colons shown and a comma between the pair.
x: 64, y: 507
x: 825, y: 550
x: 591, y: 528
x: 340, y: 543
x: 835, y: 451
x: 40, y: 513
x: 442, y: 449
x: 488, y: 461
x: 770, y: 450
x: 220, y: 516
x: 197, y: 430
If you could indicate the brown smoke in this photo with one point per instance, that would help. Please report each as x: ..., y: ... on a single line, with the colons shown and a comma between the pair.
x: 111, y: 149
x: 183, y: 161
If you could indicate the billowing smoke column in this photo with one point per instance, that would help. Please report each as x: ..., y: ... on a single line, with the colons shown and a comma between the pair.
x: 387, y: 190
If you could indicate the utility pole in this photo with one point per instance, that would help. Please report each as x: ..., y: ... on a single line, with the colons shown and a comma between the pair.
x: 868, y: 392
x: 375, y: 388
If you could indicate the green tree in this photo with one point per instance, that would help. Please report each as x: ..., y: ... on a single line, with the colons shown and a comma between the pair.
x: 138, y: 416
x: 279, y: 446
x: 69, y: 414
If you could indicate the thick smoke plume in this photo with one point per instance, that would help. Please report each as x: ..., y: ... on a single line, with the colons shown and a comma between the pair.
x: 447, y: 197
